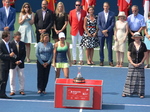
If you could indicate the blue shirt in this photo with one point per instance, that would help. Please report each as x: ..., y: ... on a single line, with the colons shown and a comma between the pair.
x: 44, y: 53
x: 136, y: 22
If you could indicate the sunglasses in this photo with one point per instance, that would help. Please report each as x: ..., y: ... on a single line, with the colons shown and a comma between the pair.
x: 78, y: 5
x: 26, y: 7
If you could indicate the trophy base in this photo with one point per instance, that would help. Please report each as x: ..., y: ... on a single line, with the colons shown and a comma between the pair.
x: 79, y: 80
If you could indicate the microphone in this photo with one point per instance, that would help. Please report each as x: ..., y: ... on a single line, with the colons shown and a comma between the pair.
x: 15, y: 56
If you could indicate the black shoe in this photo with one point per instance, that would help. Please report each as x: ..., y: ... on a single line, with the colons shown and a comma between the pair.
x: 5, y: 97
x: 111, y: 64
x: 101, y: 64
x: 22, y: 93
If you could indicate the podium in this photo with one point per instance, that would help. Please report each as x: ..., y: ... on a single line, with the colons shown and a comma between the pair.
x: 86, y: 95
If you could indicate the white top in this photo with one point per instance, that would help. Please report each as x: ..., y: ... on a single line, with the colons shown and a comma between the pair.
x: 44, y: 12
x: 7, y: 11
x: 7, y: 46
x: 78, y: 15
x: 106, y: 16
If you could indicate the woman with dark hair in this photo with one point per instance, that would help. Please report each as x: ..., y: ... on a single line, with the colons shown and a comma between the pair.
x: 26, y: 20
x: 90, y: 39
x: 44, y: 54
x: 135, y: 81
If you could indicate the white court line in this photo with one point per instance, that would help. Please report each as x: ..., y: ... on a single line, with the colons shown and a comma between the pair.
x: 132, y: 105
x: 26, y: 100
x: 80, y: 110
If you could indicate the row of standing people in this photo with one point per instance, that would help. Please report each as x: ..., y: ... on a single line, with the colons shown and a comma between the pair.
x: 106, y: 19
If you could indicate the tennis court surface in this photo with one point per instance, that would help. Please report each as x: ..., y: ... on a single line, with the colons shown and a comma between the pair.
x: 114, y: 79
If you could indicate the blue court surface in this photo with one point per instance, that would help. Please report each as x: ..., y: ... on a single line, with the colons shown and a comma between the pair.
x: 114, y: 79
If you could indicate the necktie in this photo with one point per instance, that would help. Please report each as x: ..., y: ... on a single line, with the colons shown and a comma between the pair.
x: 17, y: 45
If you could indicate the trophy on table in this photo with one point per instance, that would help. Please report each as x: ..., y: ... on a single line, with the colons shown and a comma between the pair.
x: 79, y: 78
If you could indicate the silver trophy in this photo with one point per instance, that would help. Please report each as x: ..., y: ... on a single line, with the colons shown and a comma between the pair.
x: 79, y: 72
x: 79, y: 78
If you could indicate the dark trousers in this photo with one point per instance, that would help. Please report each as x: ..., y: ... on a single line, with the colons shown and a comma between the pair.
x: 3, y: 81
x: 130, y: 40
x: 109, y: 48
x: 42, y: 76
x: 38, y: 34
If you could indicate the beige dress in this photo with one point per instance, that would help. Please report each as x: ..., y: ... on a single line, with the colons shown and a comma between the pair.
x: 120, y: 35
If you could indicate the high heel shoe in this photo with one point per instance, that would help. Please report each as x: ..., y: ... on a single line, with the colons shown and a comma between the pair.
x: 146, y: 66
x: 28, y: 60
x: 123, y: 95
x: 121, y: 64
x: 117, y: 64
x: 92, y: 63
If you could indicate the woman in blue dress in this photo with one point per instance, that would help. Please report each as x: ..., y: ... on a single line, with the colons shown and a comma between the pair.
x: 147, y: 40
x: 26, y: 20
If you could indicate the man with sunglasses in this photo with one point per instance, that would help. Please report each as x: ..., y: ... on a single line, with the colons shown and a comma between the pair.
x: 76, y: 20
x: 136, y: 23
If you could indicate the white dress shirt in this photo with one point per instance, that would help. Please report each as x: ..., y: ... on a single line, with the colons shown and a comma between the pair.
x: 7, y: 11
x: 44, y: 13
x: 106, y: 16
x: 78, y: 15
x: 7, y: 46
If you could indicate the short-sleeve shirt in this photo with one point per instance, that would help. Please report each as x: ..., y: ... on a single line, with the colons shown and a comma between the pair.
x: 136, y: 22
x: 60, y: 21
x: 137, y: 56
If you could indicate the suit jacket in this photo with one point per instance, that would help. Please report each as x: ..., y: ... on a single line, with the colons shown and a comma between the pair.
x: 47, y: 23
x: 75, y: 24
x: 4, y: 57
x: 20, y: 55
x: 109, y: 25
x: 4, y: 21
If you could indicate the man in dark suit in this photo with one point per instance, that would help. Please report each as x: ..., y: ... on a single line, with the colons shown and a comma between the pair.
x: 7, y: 18
x: 17, y: 65
x: 5, y: 57
x: 43, y: 20
x: 106, y: 22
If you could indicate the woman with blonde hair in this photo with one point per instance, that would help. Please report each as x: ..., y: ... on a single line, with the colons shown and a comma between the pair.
x: 60, y: 21
x: 26, y: 20
x: 44, y: 54
x: 120, y: 37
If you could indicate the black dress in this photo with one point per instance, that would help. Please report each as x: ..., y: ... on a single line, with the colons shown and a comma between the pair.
x: 59, y: 22
x: 135, y: 81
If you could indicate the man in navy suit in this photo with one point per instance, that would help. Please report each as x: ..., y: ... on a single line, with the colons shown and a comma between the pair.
x: 7, y: 18
x: 106, y: 22
x: 17, y: 65
x: 5, y: 56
